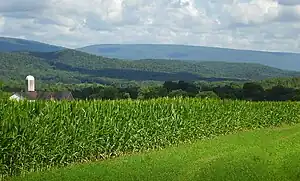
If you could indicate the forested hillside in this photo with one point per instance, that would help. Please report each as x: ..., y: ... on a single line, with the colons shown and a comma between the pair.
x: 15, y: 44
x: 281, y: 60
x: 70, y: 66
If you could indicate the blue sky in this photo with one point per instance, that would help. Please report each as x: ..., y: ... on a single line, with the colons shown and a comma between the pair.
x: 244, y: 24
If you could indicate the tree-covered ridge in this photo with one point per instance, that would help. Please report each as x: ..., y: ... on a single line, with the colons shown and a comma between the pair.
x: 15, y: 44
x: 71, y: 66
x: 217, y: 69
x: 280, y: 60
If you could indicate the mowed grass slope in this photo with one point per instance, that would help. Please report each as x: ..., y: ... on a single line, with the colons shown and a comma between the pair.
x: 264, y: 155
x: 40, y: 135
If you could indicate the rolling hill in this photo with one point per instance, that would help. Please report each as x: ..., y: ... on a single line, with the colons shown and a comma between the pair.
x: 288, y: 61
x: 280, y: 60
x: 71, y: 66
x: 14, y: 44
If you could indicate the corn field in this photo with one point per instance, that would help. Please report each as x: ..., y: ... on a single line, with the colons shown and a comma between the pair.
x: 35, y: 136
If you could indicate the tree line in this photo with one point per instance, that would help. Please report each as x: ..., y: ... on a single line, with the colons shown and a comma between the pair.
x: 252, y: 91
x: 287, y: 89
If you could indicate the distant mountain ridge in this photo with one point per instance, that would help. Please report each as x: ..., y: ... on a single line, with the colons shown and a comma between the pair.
x: 15, y: 44
x: 281, y: 60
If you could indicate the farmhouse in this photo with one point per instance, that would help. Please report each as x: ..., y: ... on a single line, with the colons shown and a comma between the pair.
x: 32, y: 95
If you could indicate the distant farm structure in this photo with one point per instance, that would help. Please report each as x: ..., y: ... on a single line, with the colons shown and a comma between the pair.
x: 32, y: 95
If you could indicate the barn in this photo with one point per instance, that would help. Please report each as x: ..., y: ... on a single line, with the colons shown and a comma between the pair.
x: 32, y: 94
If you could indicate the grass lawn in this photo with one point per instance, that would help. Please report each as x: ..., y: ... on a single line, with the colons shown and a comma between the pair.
x: 267, y: 154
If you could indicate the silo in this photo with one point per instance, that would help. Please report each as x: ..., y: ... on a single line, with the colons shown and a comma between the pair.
x: 30, y: 83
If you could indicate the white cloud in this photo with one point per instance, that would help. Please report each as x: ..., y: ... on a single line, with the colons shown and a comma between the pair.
x: 254, y: 12
x: 288, y: 2
x: 246, y: 24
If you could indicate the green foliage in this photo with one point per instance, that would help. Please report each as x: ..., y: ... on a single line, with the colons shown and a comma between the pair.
x: 109, y: 93
x: 288, y: 82
x: 207, y: 94
x: 253, y: 91
x: 39, y: 135
x: 152, y: 92
x: 178, y: 93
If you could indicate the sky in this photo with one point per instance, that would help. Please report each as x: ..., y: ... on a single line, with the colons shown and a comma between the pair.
x: 269, y: 25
